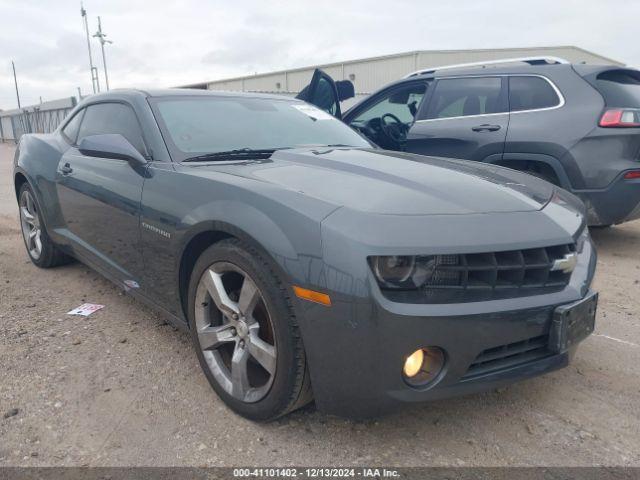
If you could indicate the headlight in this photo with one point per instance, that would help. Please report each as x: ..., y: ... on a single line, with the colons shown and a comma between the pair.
x: 394, y: 270
x: 412, y: 272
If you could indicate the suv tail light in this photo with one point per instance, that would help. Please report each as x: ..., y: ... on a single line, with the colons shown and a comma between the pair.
x: 620, y: 118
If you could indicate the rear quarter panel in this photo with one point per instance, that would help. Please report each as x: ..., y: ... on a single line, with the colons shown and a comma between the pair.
x: 556, y: 132
x: 37, y: 159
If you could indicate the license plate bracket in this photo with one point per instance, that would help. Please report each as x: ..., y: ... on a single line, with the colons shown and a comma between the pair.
x: 573, y: 323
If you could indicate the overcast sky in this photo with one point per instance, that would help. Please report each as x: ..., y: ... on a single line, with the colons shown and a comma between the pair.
x: 161, y: 44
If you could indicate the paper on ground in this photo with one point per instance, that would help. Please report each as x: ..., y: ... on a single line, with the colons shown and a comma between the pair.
x: 85, y: 309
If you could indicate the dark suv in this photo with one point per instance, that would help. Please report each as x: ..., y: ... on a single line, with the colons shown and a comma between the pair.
x: 576, y: 126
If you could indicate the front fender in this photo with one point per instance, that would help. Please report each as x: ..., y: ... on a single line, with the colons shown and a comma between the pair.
x: 285, y: 230
x: 245, y: 221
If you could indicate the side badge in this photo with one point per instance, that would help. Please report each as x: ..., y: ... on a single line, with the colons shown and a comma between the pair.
x: 155, y: 229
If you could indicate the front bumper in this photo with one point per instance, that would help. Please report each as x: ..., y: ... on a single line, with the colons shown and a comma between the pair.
x: 356, y: 348
x: 617, y: 203
x: 359, y: 372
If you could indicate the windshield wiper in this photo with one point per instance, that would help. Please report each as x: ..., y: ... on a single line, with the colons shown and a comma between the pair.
x: 317, y: 145
x: 238, y: 153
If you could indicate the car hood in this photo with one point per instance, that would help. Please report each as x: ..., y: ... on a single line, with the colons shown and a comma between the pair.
x: 384, y: 182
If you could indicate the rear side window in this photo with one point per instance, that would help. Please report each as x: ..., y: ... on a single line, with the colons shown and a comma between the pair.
x: 531, y: 93
x: 620, y: 88
x: 461, y: 97
x: 105, y: 118
x: 71, y: 129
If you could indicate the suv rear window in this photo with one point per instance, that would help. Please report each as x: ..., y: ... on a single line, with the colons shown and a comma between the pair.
x: 620, y: 88
x: 531, y: 93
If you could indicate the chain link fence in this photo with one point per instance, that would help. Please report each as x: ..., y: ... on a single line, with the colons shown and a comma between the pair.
x: 42, y: 118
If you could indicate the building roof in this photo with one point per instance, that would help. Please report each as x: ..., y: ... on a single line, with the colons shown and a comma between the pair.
x: 512, y: 52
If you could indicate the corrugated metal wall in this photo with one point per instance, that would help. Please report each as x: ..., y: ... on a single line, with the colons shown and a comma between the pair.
x: 370, y: 74
x: 42, y: 118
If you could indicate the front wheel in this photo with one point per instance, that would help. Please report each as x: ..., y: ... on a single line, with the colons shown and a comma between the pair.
x: 245, y: 333
x: 42, y: 251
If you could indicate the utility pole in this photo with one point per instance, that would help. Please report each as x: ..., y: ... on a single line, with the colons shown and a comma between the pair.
x: 15, y: 80
x: 95, y: 80
x: 101, y: 36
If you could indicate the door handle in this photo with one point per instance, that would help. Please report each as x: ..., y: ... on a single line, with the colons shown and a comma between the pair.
x: 66, y: 169
x: 486, y: 128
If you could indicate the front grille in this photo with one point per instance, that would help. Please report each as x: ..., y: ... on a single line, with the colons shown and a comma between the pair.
x: 507, y: 356
x: 475, y: 277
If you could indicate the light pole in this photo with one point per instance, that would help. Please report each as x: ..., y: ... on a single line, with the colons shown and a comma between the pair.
x: 95, y: 80
x: 15, y: 80
x: 102, y: 37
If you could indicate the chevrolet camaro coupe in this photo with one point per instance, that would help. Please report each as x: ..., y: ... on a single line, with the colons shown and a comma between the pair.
x: 304, y: 261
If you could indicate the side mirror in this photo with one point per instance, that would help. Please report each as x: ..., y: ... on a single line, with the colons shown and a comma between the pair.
x: 111, y: 146
x: 345, y: 89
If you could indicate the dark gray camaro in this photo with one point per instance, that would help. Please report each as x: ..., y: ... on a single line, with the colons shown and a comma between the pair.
x: 299, y: 256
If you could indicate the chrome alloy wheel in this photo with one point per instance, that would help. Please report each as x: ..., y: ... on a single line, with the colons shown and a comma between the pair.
x: 30, y: 222
x: 235, y: 332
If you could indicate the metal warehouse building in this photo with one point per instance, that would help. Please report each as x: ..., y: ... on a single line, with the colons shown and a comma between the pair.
x: 369, y: 74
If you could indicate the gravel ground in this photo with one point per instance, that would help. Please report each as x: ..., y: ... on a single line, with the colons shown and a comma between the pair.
x: 122, y: 387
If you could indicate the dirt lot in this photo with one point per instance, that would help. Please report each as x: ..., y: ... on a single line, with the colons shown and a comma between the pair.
x: 121, y: 387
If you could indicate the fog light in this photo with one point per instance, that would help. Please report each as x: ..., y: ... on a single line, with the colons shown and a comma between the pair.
x: 423, y: 366
x: 413, y: 363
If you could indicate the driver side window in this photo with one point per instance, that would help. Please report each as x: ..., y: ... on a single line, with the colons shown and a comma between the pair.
x: 105, y: 118
x: 402, y: 102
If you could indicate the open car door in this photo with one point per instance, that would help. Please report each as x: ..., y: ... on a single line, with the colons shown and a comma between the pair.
x: 326, y: 94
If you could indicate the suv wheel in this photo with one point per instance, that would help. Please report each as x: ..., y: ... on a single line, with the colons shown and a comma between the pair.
x: 42, y: 251
x: 245, y: 333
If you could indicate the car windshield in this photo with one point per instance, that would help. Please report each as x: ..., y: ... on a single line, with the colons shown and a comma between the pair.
x: 198, y: 126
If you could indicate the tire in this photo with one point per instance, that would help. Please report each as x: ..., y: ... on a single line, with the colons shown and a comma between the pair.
x: 248, y: 344
x: 40, y: 248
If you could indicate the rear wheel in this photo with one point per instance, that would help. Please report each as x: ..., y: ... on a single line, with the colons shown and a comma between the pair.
x: 245, y: 333
x: 42, y: 251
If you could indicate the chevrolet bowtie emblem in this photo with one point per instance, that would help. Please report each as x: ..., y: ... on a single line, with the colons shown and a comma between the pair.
x: 565, y: 264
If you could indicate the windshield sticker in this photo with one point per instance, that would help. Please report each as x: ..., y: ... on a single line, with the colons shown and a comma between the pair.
x: 313, y: 112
